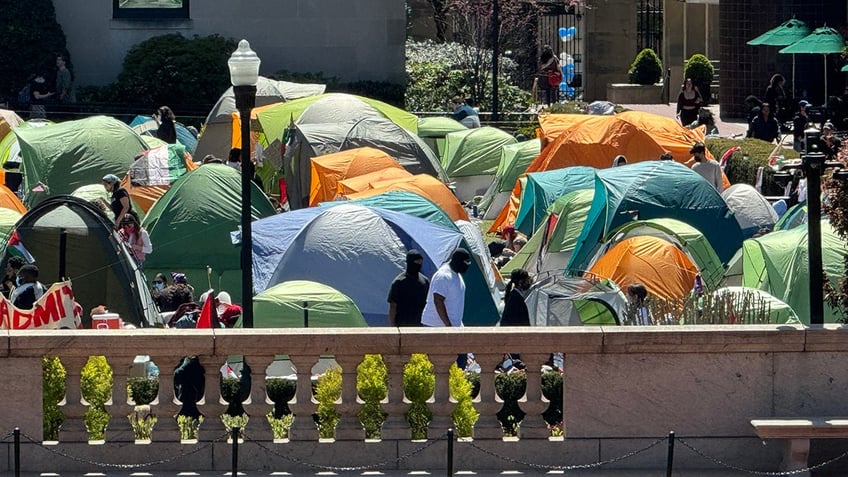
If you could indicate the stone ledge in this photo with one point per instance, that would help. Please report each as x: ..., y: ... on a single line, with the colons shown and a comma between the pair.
x: 623, y: 93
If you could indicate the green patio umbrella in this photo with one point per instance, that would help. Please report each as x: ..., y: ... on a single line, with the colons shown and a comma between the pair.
x: 823, y: 41
x: 784, y: 34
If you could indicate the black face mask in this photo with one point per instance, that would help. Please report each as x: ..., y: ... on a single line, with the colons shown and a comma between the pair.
x: 459, y: 266
x: 413, y: 268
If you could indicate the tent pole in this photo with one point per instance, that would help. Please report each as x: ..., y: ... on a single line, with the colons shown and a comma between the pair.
x: 63, y: 247
x: 825, y: 82
x: 306, y: 314
x: 793, y: 76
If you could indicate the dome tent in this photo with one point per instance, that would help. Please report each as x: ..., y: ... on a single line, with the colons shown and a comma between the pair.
x: 514, y: 161
x: 304, y: 304
x: 565, y: 300
x: 471, y: 158
x: 751, y: 209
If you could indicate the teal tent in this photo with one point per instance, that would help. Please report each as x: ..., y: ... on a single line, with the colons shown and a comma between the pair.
x: 190, y: 227
x: 67, y: 155
x: 543, y: 188
x: 304, y: 304
x: 514, y: 161
x: 795, y: 216
x: 657, y: 189
x: 434, y: 129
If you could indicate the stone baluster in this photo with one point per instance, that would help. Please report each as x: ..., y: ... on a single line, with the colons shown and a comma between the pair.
x: 166, y: 405
x: 304, y: 428
x: 73, y: 429
x: 349, y: 427
x: 533, y: 426
x: 486, y: 402
x: 443, y: 405
x: 119, y: 429
x: 257, y: 404
x: 212, y: 406
x: 396, y: 426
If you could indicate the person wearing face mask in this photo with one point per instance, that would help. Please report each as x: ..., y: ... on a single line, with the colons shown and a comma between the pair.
x: 408, y: 293
x: 515, y: 309
x: 446, y: 297
x: 228, y: 313
x: 29, y: 289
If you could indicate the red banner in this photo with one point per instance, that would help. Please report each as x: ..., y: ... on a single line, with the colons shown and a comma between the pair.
x: 54, y: 310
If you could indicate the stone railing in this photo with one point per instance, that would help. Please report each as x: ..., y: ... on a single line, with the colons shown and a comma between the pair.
x: 624, y: 388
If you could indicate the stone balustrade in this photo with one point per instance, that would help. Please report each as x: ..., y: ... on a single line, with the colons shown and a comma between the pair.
x: 624, y: 387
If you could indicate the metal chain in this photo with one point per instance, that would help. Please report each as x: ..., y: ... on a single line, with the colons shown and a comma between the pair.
x: 351, y: 468
x: 569, y: 467
x: 7, y: 436
x: 124, y: 466
x: 759, y: 472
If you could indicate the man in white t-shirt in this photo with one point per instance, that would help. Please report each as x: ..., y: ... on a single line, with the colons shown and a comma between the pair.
x: 446, y: 297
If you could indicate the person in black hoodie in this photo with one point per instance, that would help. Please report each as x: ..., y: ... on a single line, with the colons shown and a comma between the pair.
x: 408, y: 293
x: 515, y: 309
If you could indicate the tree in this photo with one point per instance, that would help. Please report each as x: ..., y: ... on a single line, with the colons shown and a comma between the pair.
x: 835, y: 207
x: 31, y: 39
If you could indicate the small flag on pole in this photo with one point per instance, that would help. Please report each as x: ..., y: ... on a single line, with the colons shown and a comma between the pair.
x: 16, y: 247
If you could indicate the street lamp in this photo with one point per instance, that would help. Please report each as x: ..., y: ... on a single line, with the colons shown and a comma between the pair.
x: 244, y: 73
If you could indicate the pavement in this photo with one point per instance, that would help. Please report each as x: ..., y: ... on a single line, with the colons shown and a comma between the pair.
x: 725, y: 128
x: 587, y: 473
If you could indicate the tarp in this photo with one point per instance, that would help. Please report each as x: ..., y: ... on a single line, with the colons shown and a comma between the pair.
x: 312, y: 140
x: 434, y: 129
x: 423, y: 185
x: 474, y: 152
x: 559, y: 300
x: 329, y: 169
x: 657, y: 189
x: 152, y: 174
x: 99, y: 265
x: 751, y: 209
x: 656, y: 263
x: 12, y: 119
x: 304, y: 304
x: 359, y: 251
x: 778, y: 263
x: 65, y: 156
x: 514, y: 161
x: 147, y: 126
x: 217, y: 130
x: 190, y: 227
x: 8, y: 219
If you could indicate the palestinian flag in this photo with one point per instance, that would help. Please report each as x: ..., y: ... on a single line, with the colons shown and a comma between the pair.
x: 16, y: 247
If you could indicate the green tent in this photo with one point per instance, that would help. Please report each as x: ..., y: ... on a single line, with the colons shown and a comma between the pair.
x: 8, y: 219
x: 10, y: 148
x: 434, y: 129
x: 778, y: 311
x: 474, y: 152
x: 304, y: 304
x: 96, y: 193
x: 566, y: 300
x: 777, y: 263
x: 190, y: 227
x: 795, y: 216
x: 514, y: 161
x: 543, y: 188
x: 67, y: 155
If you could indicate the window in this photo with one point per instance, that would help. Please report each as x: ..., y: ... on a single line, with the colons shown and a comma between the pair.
x: 649, y: 26
x: 150, y: 9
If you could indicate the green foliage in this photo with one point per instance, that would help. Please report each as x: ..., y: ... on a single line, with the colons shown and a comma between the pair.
x: 372, y: 385
x: 464, y: 415
x: 511, y: 387
x: 143, y: 390
x: 280, y: 392
x: 31, y: 39
x: 328, y: 390
x: 280, y: 426
x: 142, y: 421
x: 96, y: 388
x: 230, y: 390
x: 739, y: 170
x: 235, y: 422
x: 646, y: 68
x: 699, y: 69
x: 189, y: 426
x: 552, y: 390
x: 419, y: 382
x: 53, y: 391
x: 835, y: 207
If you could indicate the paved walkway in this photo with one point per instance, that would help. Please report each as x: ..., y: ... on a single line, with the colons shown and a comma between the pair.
x: 725, y: 129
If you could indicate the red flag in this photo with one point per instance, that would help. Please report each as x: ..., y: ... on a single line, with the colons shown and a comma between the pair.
x: 207, y: 312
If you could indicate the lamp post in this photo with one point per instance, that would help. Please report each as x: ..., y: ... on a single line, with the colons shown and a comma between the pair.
x: 496, y: 27
x: 244, y: 73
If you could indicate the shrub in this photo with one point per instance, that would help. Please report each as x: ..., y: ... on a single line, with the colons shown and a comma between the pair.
x: 464, y: 415
x: 280, y: 391
x: 53, y: 391
x: 96, y: 388
x: 699, y: 69
x: 328, y: 390
x: 280, y: 426
x: 189, y: 426
x: 552, y: 390
x: 511, y: 387
x: 646, y: 68
x: 740, y: 170
x: 142, y: 421
x: 143, y: 390
x: 419, y: 382
x: 372, y: 385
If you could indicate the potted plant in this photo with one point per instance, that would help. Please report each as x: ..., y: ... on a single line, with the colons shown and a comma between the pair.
x: 419, y: 382
x: 328, y: 390
x: 53, y: 391
x: 96, y: 389
x: 464, y: 415
x: 280, y: 391
x: 552, y: 390
x: 234, y: 391
x: 372, y: 386
x: 142, y: 391
x: 189, y: 387
x: 700, y: 69
x: 646, y: 68
x: 511, y: 387
x: 189, y: 428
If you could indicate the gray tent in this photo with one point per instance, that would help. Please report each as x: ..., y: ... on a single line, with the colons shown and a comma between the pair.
x: 312, y: 140
x: 563, y: 300
x: 750, y: 208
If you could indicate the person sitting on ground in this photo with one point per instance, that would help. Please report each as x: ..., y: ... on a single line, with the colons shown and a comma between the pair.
x: 172, y: 296
x: 135, y: 238
x: 464, y: 113
x: 831, y: 143
x: 29, y: 289
x: 667, y: 156
x: 228, y: 313
x: 13, y: 265
x: 212, y: 159
x: 764, y: 126
x: 706, y: 119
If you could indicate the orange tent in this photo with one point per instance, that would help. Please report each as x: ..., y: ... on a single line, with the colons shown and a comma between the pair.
x: 329, y: 169
x: 8, y: 200
x: 424, y: 185
x: 363, y: 182
x: 659, y: 265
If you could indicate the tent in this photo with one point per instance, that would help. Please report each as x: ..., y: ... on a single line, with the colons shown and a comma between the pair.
x: 656, y: 263
x: 8, y: 200
x: 657, y: 189
x: 564, y: 300
x: 434, y: 129
x: 514, y: 161
x: 153, y: 172
x: 147, y: 126
x: 10, y: 148
x: 364, y: 182
x: 8, y: 219
x: 778, y: 263
x: 795, y: 216
x: 11, y: 117
x: 471, y: 158
x: 751, y: 209
x: 304, y: 304
x: 69, y: 237
x: 67, y: 155
x: 96, y: 194
x: 329, y: 169
x: 543, y: 188
x: 312, y: 140
x: 359, y: 251
x: 216, y: 135
x: 778, y: 311
x: 190, y: 227
x: 423, y: 185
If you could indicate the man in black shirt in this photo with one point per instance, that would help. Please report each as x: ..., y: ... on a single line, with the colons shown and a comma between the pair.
x: 408, y: 293
x: 29, y: 290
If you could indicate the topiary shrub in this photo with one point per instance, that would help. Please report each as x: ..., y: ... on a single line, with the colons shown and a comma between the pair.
x: 419, y: 382
x: 53, y: 391
x: 701, y: 71
x: 328, y: 390
x: 96, y: 388
x: 741, y: 170
x: 280, y: 391
x: 511, y: 387
x: 142, y: 391
x: 464, y: 415
x: 646, y: 68
x: 372, y: 385
x: 552, y: 390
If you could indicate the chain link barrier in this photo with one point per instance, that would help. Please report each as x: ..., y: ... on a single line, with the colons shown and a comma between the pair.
x: 124, y: 466
x: 357, y: 468
x: 7, y: 437
x: 721, y: 463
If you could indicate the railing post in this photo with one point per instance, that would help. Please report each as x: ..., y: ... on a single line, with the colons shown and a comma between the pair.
x: 670, y: 462
x: 234, y: 436
x: 17, y: 434
x: 450, y: 452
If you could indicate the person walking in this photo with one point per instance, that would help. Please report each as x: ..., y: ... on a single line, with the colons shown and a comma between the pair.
x: 551, y: 72
x: 707, y: 168
x: 446, y: 297
x: 408, y: 293
x: 776, y: 96
x: 688, y: 103
x: 64, y: 82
